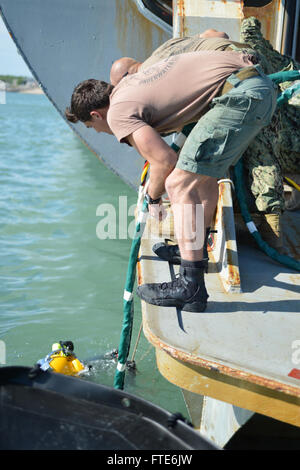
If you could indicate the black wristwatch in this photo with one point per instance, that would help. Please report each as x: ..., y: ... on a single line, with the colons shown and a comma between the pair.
x: 152, y: 201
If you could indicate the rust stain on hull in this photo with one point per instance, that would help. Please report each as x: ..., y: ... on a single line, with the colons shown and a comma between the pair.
x: 137, y: 36
x: 266, y: 16
x: 139, y: 274
x: 230, y: 275
x: 220, y: 368
x: 234, y: 274
x: 230, y: 390
x: 181, y: 14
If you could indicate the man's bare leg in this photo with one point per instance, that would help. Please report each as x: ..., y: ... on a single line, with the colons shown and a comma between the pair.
x: 186, y: 190
x: 188, y: 291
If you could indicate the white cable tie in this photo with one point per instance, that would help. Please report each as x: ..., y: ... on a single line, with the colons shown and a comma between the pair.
x: 180, y: 139
x: 127, y: 295
x: 251, y: 227
x: 121, y: 367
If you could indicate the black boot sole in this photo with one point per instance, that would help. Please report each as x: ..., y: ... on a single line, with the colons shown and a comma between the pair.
x: 196, y: 307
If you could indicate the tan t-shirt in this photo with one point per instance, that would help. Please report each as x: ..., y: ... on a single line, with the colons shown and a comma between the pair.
x: 171, y: 93
x: 189, y: 44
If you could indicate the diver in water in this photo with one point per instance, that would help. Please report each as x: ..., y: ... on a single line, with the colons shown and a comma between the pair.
x: 63, y: 360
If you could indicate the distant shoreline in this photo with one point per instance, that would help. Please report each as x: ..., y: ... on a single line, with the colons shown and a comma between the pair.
x: 33, y: 91
x: 12, y: 83
x: 29, y: 91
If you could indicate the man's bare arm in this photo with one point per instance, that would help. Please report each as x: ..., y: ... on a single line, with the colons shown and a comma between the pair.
x: 158, y: 153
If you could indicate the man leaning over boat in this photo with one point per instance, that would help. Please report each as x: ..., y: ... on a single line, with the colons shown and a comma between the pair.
x: 162, y: 99
x: 274, y: 152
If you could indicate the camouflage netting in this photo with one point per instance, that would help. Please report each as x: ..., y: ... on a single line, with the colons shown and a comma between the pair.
x: 276, y: 150
x: 271, y: 60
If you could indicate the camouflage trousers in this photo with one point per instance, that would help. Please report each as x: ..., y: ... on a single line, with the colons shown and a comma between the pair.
x: 276, y: 149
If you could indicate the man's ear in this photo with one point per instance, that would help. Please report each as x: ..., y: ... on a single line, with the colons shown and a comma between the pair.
x: 96, y: 115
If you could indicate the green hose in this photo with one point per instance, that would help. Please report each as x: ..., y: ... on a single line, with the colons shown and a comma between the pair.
x: 239, y: 185
x: 128, y: 302
x: 288, y: 76
x: 285, y: 76
x: 240, y: 193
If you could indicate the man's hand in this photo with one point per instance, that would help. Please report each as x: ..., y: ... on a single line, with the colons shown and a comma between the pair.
x: 158, y: 153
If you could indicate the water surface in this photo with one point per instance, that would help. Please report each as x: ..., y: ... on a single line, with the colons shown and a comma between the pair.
x: 58, y: 280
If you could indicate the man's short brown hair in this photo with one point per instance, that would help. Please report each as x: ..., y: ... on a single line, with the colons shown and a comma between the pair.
x: 88, y: 96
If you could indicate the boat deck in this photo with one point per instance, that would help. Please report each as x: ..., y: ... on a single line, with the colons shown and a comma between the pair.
x: 245, y: 348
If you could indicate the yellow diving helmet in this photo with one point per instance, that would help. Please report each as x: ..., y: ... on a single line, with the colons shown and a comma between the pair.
x: 63, y: 360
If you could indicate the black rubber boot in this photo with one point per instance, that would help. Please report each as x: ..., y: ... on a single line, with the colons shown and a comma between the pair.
x: 187, y: 292
x: 167, y: 252
x: 171, y: 253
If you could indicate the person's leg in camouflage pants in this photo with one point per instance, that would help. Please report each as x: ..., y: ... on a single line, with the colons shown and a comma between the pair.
x: 276, y: 150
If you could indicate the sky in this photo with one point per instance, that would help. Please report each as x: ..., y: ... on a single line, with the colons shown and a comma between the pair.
x: 11, y: 62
